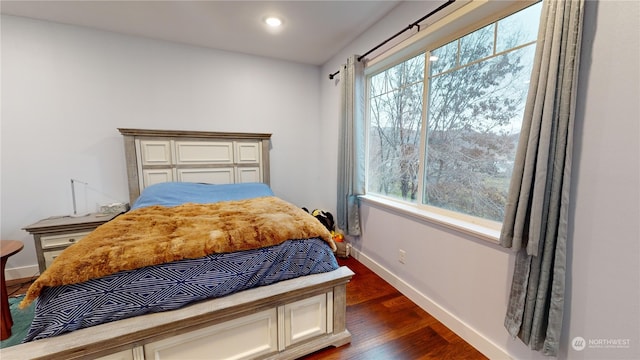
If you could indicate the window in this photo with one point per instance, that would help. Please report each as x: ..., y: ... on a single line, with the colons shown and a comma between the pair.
x: 444, y: 125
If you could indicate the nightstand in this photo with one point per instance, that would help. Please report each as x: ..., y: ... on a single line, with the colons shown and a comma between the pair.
x: 53, y: 235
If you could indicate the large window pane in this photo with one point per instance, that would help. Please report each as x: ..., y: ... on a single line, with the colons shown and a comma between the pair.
x: 395, y: 114
x: 474, y: 118
x: 476, y: 89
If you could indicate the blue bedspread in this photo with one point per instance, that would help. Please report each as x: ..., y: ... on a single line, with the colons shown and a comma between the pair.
x: 175, y: 193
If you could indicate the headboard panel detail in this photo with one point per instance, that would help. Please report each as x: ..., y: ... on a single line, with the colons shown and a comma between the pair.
x: 154, y: 156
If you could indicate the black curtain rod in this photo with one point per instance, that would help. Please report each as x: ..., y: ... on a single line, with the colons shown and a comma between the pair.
x: 409, y: 27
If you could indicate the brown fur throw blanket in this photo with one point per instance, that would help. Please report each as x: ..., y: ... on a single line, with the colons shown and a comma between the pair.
x: 156, y: 234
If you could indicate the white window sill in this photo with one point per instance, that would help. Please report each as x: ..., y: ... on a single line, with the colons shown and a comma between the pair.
x: 483, y: 232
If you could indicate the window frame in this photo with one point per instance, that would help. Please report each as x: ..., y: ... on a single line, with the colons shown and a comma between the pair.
x: 464, y: 20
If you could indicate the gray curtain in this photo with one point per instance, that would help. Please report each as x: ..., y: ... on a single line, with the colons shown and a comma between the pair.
x: 536, y: 214
x: 351, y: 146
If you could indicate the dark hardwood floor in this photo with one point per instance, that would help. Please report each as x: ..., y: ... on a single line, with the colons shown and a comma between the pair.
x: 384, y: 324
x: 17, y: 287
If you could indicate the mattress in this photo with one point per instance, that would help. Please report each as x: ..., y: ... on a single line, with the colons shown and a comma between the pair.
x: 169, y: 286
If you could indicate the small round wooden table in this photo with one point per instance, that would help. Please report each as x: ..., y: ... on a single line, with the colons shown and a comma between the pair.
x: 7, y: 248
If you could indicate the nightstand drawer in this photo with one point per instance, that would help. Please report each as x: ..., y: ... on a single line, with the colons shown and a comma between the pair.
x: 59, y: 232
x: 51, y: 241
x: 49, y: 256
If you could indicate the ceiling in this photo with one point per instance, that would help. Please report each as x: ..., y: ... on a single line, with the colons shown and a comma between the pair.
x: 312, y: 33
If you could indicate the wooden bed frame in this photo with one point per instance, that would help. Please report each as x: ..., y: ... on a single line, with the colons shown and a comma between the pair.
x: 285, y: 320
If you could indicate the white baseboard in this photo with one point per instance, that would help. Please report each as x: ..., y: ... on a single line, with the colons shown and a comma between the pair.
x: 470, y: 335
x: 24, y: 272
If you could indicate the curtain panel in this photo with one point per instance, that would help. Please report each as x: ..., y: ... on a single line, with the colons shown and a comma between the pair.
x: 536, y: 214
x: 351, y: 152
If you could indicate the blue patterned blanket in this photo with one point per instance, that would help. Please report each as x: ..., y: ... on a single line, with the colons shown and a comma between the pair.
x: 169, y: 286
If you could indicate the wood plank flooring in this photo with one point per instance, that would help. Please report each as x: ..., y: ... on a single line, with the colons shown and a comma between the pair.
x: 17, y: 287
x: 383, y: 323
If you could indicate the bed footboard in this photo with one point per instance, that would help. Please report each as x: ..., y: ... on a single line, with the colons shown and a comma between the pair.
x: 285, y: 320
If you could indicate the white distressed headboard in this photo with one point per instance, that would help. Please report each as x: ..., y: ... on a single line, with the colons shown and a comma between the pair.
x: 154, y: 156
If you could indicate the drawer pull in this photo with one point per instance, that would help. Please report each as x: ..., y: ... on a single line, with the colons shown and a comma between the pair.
x: 72, y: 240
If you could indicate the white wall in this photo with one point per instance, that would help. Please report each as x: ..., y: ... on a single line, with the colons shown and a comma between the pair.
x: 66, y: 90
x: 465, y: 282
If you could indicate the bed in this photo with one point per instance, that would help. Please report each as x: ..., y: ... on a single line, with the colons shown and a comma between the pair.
x: 283, y: 300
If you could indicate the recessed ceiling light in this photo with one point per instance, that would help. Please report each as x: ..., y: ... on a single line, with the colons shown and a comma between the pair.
x: 273, y: 21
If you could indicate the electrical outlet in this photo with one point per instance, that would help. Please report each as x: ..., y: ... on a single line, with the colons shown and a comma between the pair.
x: 402, y: 256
